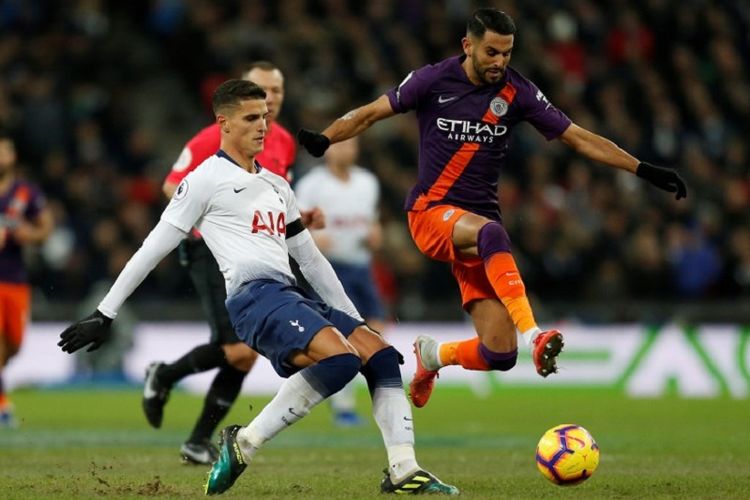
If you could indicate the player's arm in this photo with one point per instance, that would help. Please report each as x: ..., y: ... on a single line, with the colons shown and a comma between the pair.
x: 352, y: 123
x: 95, y: 328
x: 601, y: 149
x: 317, y: 270
x: 36, y: 230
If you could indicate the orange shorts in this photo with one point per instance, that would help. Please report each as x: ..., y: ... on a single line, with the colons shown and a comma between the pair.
x: 15, y: 303
x: 432, y: 231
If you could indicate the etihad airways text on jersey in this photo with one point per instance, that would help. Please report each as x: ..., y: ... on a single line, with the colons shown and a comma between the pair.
x: 465, y: 130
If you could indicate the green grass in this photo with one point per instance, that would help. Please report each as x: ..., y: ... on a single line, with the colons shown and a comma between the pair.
x: 97, y: 444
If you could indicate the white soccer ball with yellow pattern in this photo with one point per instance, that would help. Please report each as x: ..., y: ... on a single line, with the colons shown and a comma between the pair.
x: 567, y: 454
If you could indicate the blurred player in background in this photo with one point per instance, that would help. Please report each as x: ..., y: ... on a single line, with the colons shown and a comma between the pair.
x: 466, y: 107
x: 224, y: 350
x: 250, y: 221
x: 348, y: 195
x: 24, y: 220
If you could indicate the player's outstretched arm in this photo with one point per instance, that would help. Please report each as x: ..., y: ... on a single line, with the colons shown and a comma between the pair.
x: 94, y: 329
x: 601, y: 149
x: 352, y: 123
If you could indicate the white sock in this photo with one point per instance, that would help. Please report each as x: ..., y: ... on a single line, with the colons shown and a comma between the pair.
x: 393, y: 415
x: 295, y: 399
x: 530, y: 334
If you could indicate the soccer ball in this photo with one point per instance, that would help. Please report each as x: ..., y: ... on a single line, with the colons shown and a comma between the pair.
x: 567, y: 454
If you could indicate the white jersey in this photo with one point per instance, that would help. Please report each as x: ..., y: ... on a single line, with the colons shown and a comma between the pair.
x: 350, y: 208
x: 241, y: 216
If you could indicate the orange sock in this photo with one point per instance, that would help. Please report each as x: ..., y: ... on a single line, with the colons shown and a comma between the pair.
x: 506, y: 281
x: 464, y: 353
x: 4, y: 402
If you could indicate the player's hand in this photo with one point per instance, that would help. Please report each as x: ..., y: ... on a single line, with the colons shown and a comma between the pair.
x: 93, y: 329
x: 23, y: 233
x: 313, y: 218
x: 315, y: 143
x: 663, y: 178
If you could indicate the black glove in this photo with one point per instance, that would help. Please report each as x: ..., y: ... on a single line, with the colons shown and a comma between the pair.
x: 315, y: 143
x: 663, y: 178
x: 93, y: 329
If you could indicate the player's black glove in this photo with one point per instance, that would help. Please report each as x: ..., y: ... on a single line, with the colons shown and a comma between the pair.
x: 93, y: 329
x: 663, y: 178
x: 315, y: 143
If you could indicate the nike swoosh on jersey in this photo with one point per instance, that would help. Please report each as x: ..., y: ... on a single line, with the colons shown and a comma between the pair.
x: 443, y: 100
x: 239, y: 190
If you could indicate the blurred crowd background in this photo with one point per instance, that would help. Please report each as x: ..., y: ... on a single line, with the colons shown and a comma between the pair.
x: 101, y: 96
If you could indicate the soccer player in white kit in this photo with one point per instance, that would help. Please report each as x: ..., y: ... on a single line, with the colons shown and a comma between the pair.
x: 349, y: 195
x: 250, y: 222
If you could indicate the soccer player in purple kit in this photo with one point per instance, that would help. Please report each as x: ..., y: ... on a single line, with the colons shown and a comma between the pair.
x: 466, y: 107
x: 24, y: 220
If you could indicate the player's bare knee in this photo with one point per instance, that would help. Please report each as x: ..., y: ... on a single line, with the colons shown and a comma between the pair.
x: 244, y: 363
x: 240, y: 356
x: 366, y: 342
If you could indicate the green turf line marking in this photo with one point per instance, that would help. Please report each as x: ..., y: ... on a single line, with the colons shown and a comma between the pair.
x: 649, y: 339
x: 742, y: 351
x: 692, y: 336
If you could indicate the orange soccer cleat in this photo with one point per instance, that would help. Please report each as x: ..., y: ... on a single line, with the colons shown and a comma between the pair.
x: 547, y: 346
x: 420, y: 388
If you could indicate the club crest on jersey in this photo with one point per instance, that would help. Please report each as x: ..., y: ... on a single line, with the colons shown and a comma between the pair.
x: 181, y: 190
x: 270, y: 223
x: 498, y: 106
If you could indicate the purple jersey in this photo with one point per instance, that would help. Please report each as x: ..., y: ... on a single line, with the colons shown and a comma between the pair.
x: 464, y: 131
x: 23, y: 201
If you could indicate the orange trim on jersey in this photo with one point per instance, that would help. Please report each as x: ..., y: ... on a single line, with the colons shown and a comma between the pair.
x: 451, y: 172
x: 508, y: 93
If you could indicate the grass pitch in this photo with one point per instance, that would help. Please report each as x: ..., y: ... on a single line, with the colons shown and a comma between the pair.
x: 87, y: 444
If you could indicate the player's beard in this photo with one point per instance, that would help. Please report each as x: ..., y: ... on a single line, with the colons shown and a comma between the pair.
x: 481, y: 72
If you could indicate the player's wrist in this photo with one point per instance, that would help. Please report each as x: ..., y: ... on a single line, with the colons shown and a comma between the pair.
x: 314, y: 142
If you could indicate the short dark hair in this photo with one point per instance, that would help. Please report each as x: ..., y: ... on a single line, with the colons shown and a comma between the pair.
x: 490, y: 19
x: 231, y: 92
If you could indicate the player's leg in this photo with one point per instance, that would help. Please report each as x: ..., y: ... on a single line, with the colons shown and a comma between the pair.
x: 474, y: 235
x: 301, y: 344
x: 6, y: 412
x: 221, y: 395
x: 225, y: 351
x: 161, y: 377
x: 237, y: 360
x: 392, y: 413
x: 355, y: 279
x: 15, y: 303
x: 327, y: 364
x: 4, y: 401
